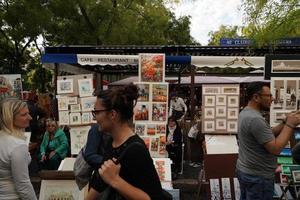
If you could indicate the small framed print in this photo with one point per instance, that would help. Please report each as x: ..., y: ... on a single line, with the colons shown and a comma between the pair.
x: 144, y: 91
x: 231, y: 89
x: 160, y: 92
x: 232, y: 113
x: 141, y: 112
x: 221, y: 100
x: 159, y: 112
x: 210, y: 89
x: 88, y: 103
x: 64, y: 118
x: 221, y: 124
x: 154, y: 144
x: 296, y: 176
x: 140, y: 129
x: 62, y: 103
x: 72, y: 100
x: 209, y: 126
x: 161, y: 129
x: 86, y: 118
x: 232, y: 126
x: 233, y: 101
x: 151, y: 129
x: 75, y: 108
x: 209, y: 100
x: 78, y: 137
x: 75, y: 118
x: 152, y: 67
x: 64, y: 86
x: 85, y: 87
x: 220, y: 111
x: 209, y: 113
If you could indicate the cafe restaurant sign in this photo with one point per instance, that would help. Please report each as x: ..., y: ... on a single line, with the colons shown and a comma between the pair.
x: 90, y: 59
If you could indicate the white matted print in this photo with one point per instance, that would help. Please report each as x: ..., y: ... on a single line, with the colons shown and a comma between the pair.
x: 86, y: 118
x: 221, y: 124
x: 60, y: 189
x: 62, y: 103
x: 209, y: 113
x: 160, y: 92
x: 72, y: 100
x: 151, y: 129
x: 78, y: 137
x: 85, y: 87
x: 64, y: 86
x: 144, y: 91
x: 226, y: 191
x: 232, y: 113
x: 160, y: 129
x: 209, y: 126
x: 220, y: 111
x: 64, y: 118
x: 152, y: 67
x: 232, y: 126
x: 231, y: 89
x: 209, y: 100
x: 296, y: 176
x: 221, y: 100
x: 208, y: 89
x: 140, y: 129
x: 233, y: 101
x: 75, y: 118
x: 215, y: 189
x: 75, y: 108
x: 88, y: 103
x: 159, y: 112
x: 141, y: 111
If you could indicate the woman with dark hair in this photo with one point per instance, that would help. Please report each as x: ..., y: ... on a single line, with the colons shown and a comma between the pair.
x: 135, y: 176
x: 174, y: 144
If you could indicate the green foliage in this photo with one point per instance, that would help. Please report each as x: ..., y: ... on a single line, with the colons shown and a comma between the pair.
x: 270, y: 20
x: 223, y: 32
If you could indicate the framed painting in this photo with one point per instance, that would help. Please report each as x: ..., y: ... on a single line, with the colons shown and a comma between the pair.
x: 296, y: 176
x: 72, y: 100
x: 220, y: 111
x: 88, y: 103
x: 221, y: 100
x: 290, y: 94
x: 151, y: 129
x: 232, y: 126
x: 209, y: 100
x: 141, y: 111
x: 85, y: 87
x: 144, y: 91
x: 162, y: 145
x: 221, y: 124
x: 60, y: 189
x: 159, y: 112
x: 233, y: 101
x: 75, y: 118
x: 64, y: 86
x: 209, y: 89
x: 78, y: 137
x: 232, y: 113
x: 154, y: 144
x: 86, y: 117
x: 64, y: 118
x: 140, y: 129
x: 279, y: 93
x: 209, y: 113
x: 160, y: 92
x: 147, y: 142
x: 75, y: 108
x: 160, y: 128
x: 152, y: 67
x: 231, y: 89
x: 62, y: 103
x: 209, y: 126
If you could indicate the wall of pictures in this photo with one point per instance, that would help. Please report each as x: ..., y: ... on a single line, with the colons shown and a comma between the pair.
x: 75, y: 103
x: 220, y: 105
x: 151, y: 110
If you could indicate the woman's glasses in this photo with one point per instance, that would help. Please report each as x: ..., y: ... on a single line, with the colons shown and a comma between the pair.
x: 95, y: 112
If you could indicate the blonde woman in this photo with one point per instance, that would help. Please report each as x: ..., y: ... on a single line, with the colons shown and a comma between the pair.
x: 54, y: 147
x: 14, y: 155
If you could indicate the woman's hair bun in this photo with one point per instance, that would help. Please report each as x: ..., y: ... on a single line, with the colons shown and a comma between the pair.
x: 132, y: 92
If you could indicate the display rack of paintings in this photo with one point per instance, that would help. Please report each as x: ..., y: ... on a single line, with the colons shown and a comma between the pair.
x: 75, y: 103
x: 286, y: 93
x: 220, y: 108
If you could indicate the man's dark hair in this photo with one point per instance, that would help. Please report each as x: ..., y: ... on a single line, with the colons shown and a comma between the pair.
x: 254, y: 88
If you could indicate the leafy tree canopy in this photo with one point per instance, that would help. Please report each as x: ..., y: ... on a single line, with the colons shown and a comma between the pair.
x: 223, y: 32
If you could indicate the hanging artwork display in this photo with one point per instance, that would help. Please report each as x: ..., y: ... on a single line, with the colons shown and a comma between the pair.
x: 220, y: 108
x: 85, y: 87
x: 151, y: 67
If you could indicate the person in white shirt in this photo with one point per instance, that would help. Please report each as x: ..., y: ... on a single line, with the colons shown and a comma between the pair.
x: 14, y: 156
x: 178, y: 108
